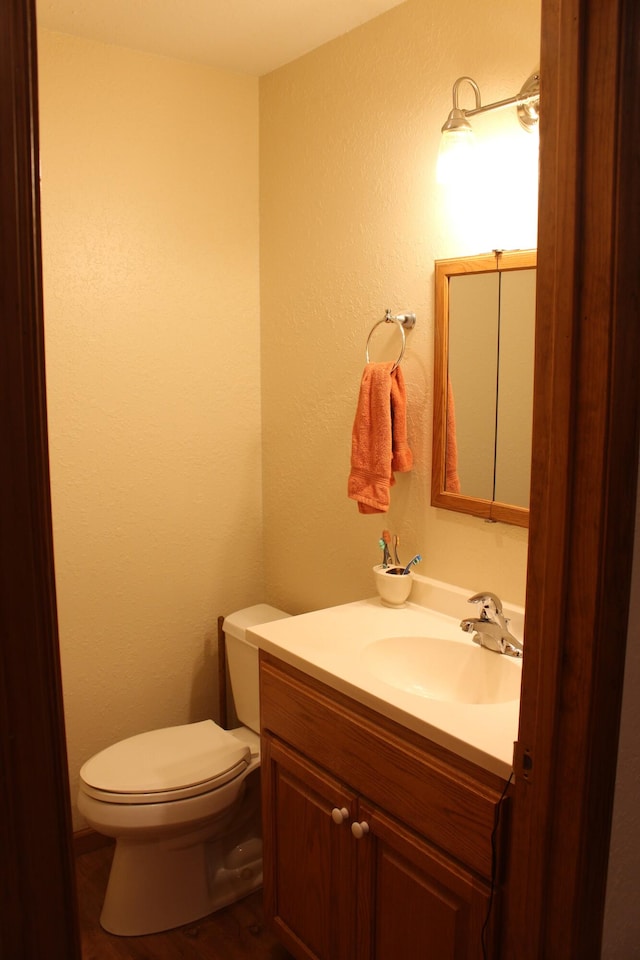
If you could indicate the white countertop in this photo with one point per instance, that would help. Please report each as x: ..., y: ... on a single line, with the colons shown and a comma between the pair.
x: 328, y: 644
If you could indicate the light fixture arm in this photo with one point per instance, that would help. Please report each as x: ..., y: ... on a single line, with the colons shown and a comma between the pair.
x: 456, y: 94
x: 527, y: 101
x: 498, y: 104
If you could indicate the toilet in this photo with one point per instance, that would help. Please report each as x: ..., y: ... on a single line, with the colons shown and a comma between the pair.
x: 183, y: 804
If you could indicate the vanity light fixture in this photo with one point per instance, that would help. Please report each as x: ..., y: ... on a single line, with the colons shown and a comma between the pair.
x: 457, y: 133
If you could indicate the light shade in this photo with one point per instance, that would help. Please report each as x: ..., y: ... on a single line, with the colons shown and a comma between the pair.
x: 456, y: 143
x: 455, y: 156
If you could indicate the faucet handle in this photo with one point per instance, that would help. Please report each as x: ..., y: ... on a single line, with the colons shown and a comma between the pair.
x: 490, y: 603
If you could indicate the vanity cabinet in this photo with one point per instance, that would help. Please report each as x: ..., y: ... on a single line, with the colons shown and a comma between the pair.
x: 377, y: 842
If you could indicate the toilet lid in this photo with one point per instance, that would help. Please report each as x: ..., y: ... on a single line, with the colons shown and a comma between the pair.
x: 166, y: 764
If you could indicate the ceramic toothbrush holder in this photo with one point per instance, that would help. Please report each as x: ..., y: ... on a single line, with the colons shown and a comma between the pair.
x: 392, y: 584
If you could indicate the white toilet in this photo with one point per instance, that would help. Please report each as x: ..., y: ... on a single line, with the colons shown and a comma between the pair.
x: 183, y: 804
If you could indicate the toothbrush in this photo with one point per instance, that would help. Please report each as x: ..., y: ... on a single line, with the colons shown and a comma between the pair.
x: 396, y: 541
x: 386, y: 536
x: 416, y: 559
x: 383, y: 547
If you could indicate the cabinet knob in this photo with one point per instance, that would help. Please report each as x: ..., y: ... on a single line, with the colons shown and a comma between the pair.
x: 359, y: 829
x: 339, y: 815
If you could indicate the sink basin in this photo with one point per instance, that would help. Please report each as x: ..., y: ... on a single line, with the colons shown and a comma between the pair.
x: 444, y: 670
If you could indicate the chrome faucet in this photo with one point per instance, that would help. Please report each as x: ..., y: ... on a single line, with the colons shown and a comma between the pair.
x: 491, y: 628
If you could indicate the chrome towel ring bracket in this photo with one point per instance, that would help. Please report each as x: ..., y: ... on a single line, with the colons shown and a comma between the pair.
x: 405, y: 321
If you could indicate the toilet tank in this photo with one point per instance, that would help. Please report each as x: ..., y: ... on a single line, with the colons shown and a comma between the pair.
x: 242, y: 659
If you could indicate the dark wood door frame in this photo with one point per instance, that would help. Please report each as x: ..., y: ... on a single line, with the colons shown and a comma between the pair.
x: 583, y: 500
x: 584, y: 478
x: 37, y: 891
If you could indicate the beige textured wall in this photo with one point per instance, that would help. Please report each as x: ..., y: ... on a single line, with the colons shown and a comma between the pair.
x: 351, y: 221
x: 150, y: 240
x: 150, y: 236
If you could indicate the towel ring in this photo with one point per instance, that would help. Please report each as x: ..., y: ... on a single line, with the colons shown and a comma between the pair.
x: 404, y: 320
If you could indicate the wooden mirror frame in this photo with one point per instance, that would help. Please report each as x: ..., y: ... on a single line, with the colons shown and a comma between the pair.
x: 445, y: 269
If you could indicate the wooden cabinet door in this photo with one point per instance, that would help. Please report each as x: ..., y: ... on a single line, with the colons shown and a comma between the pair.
x: 309, y: 862
x: 414, y: 902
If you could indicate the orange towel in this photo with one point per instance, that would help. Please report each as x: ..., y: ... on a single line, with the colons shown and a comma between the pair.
x: 379, y: 437
x: 451, y: 478
x: 402, y: 458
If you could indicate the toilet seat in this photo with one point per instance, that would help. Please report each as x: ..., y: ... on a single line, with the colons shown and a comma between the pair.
x: 165, y: 765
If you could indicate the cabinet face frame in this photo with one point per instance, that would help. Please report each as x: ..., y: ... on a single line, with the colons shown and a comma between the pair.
x: 422, y: 879
x: 315, y: 791
x: 370, y: 891
x: 297, y: 708
x: 390, y: 765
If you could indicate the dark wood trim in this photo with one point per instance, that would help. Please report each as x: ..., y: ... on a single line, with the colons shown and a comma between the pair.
x: 37, y: 887
x: 222, y: 676
x: 584, y: 478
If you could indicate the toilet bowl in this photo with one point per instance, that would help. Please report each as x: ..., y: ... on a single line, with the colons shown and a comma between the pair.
x: 183, y: 804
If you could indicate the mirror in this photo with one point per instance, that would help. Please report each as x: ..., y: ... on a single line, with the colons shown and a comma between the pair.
x: 483, y: 385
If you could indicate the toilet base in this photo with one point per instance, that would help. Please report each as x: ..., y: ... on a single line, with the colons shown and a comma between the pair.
x: 159, y: 885
x: 154, y: 890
